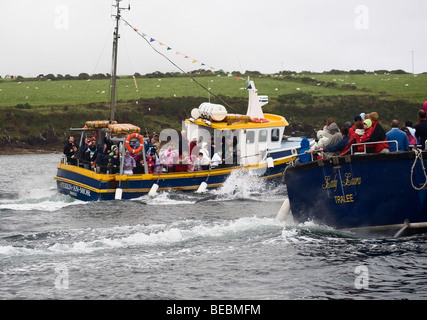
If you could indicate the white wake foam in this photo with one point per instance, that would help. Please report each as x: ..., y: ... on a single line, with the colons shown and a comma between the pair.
x: 145, y: 236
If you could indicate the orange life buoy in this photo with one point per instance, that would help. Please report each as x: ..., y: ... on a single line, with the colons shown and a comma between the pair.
x: 133, y: 136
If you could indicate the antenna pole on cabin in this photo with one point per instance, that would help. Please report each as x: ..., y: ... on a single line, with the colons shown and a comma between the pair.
x: 114, y: 66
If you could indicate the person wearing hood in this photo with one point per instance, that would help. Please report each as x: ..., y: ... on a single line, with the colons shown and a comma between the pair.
x: 330, y: 137
x: 375, y: 133
x: 128, y: 163
x: 336, y: 136
x: 304, y: 151
x: 205, y: 160
x: 115, y: 160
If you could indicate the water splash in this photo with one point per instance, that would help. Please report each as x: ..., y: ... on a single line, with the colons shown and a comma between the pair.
x: 43, y: 203
x: 247, y: 185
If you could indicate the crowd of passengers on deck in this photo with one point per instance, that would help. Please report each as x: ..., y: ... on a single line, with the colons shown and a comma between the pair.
x: 365, y: 135
x: 161, y: 157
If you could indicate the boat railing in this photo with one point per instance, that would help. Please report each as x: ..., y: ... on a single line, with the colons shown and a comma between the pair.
x: 364, y: 144
x: 295, y: 155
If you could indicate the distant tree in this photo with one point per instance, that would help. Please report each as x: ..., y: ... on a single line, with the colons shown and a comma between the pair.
x: 237, y: 73
x: 252, y: 73
x: 399, y: 71
x: 50, y: 76
x: 335, y: 71
x: 99, y: 76
x: 287, y: 72
x: 68, y: 77
x: 381, y: 71
x: 357, y: 71
x: 59, y: 77
x: 83, y: 76
x: 156, y: 74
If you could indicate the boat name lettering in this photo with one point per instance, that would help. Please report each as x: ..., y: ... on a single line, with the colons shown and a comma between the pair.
x: 344, y: 199
x: 330, y: 184
x: 349, y: 181
x: 74, y: 188
x: 346, y: 182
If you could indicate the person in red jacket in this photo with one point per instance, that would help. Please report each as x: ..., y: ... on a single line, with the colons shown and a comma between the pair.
x: 376, y: 133
x: 355, y: 138
x: 356, y: 119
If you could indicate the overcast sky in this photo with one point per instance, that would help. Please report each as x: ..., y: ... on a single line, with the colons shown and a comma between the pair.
x: 73, y: 36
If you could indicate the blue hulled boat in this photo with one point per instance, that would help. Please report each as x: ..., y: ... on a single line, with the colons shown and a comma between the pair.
x: 380, y: 192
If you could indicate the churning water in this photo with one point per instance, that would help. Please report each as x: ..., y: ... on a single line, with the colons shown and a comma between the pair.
x: 174, y: 246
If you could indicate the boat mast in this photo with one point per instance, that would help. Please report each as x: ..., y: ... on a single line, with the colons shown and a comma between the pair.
x: 114, y: 66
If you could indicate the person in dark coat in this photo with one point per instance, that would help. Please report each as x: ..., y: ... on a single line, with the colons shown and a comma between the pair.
x: 115, y: 161
x: 102, y: 158
x: 421, y: 129
x: 69, y: 150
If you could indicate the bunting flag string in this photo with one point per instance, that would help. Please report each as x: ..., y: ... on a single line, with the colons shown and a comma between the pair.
x: 151, y: 40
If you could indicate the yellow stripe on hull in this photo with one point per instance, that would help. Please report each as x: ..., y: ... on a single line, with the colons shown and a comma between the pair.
x: 162, y: 176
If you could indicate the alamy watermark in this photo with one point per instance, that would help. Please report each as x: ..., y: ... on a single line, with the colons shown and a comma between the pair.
x: 62, y: 17
x: 61, y: 279
x: 362, y: 277
x: 362, y: 17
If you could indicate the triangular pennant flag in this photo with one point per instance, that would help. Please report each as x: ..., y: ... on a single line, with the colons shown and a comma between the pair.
x: 169, y: 48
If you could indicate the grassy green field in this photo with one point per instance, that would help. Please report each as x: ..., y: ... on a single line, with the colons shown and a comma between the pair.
x: 41, y: 113
x: 77, y: 92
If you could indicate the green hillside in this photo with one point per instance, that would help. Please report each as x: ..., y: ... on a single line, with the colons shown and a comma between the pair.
x: 77, y: 92
x: 39, y: 112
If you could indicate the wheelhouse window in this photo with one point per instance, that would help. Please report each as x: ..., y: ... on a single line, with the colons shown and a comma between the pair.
x: 275, y: 134
x: 262, y: 136
x: 250, y: 137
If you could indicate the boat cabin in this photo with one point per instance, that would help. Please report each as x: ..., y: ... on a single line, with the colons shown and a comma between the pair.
x: 252, y: 135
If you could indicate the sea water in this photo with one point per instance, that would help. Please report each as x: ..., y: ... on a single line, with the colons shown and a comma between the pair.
x: 223, y: 244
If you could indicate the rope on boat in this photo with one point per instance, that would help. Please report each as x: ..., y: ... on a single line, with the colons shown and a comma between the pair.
x: 418, y: 156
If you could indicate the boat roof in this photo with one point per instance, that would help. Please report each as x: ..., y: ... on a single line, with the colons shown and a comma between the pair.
x: 273, y: 121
